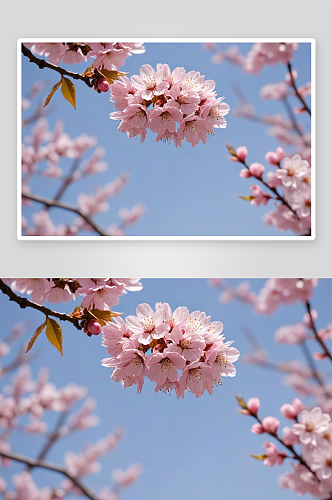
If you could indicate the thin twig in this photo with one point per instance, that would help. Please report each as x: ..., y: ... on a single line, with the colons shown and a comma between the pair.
x: 313, y: 368
x: 51, y: 439
x: 41, y: 63
x: 23, y: 303
x: 274, y: 190
x: 314, y: 329
x: 289, y: 447
x: 295, y: 88
x: 296, y: 126
x: 66, y: 206
x: 32, y: 462
x: 65, y: 183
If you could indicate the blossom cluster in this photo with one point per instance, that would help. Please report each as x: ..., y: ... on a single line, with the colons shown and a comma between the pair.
x: 175, y: 97
x: 293, y: 177
x: 99, y: 293
x: 312, y: 434
x: 179, y: 340
x: 260, y: 55
x: 106, y: 55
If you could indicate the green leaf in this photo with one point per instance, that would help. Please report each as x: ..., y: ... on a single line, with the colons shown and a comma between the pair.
x: 68, y: 91
x: 36, y: 335
x: 259, y: 457
x: 54, y: 333
x: 247, y: 198
x: 51, y: 94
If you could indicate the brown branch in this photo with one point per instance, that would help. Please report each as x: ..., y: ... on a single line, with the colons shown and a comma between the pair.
x: 50, y: 466
x: 289, y: 447
x: 296, y: 90
x: 292, y: 118
x: 23, y: 303
x: 314, y: 329
x: 315, y: 373
x: 41, y: 63
x: 66, y: 206
x: 66, y: 182
x: 53, y: 437
x: 274, y: 190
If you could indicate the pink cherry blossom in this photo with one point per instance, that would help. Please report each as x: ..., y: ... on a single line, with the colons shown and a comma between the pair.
x: 270, y: 424
x: 273, y: 454
x: 253, y: 405
x: 311, y: 425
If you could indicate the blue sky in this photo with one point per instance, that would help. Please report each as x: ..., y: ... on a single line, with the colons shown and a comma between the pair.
x: 191, y: 448
x: 188, y: 191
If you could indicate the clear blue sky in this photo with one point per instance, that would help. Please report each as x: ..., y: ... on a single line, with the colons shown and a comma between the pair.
x: 188, y: 191
x: 192, y: 448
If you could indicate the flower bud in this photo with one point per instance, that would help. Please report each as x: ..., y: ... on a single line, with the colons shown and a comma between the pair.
x: 103, y: 85
x: 245, y: 173
x: 270, y: 424
x: 93, y: 327
x: 253, y: 405
x: 256, y: 169
x: 241, y: 153
x: 257, y: 429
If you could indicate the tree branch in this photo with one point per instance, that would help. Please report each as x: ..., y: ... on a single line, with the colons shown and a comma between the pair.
x: 66, y: 206
x: 41, y: 63
x: 292, y: 118
x: 23, y: 303
x: 51, y: 439
x: 50, y: 466
x: 66, y: 182
x: 314, y: 329
x: 296, y: 90
x: 315, y: 374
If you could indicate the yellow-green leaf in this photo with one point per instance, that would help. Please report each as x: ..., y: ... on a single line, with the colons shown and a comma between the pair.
x: 111, y: 75
x: 105, y: 315
x: 51, y: 94
x: 35, y: 335
x: 68, y: 91
x: 247, y: 198
x: 54, y: 333
x: 231, y: 150
x: 241, y: 402
x: 259, y: 457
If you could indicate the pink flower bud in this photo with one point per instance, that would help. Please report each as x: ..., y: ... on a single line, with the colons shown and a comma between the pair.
x: 241, y: 153
x: 256, y: 169
x: 288, y: 411
x: 275, y: 158
x: 273, y: 181
x: 289, y: 437
x: 103, y: 85
x: 257, y: 429
x: 253, y: 405
x: 280, y: 153
x: 319, y: 356
x: 298, y: 405
x: 93, y: 327
x: 245, y: 173
x: 270, y: 424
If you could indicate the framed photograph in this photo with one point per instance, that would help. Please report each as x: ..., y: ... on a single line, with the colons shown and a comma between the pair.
x: 166, y: 139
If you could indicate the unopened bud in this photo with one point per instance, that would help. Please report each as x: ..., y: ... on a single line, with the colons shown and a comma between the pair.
x: 93, y: 327
x: 103, y: 85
